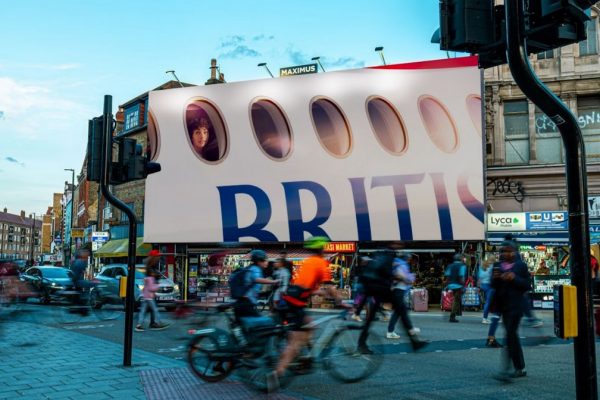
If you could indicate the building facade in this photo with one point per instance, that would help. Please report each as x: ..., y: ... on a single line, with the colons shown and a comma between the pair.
x: 20, y: 236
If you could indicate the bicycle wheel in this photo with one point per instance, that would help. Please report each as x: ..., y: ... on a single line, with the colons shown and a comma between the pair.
x: 105, y: 308
x: 342, y: 359
x: 205, y: 363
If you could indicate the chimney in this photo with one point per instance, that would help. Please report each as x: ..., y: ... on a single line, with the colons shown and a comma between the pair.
x: 5, y: 210
x: 22, y: 214
x: 213, y: 68
x: 222, y: 77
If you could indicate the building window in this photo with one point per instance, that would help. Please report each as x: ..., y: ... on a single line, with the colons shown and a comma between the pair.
x: 516, y: 128
x: 548, y: 142
x: 588, y: 111
x: 590, y: 45
x: 545, y: 55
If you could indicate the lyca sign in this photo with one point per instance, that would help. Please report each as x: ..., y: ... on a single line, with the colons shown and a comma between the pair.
x: 298, y: 70
x: 499, y: 222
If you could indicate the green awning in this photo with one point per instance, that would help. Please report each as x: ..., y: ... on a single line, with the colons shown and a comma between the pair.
x: 118, y: 248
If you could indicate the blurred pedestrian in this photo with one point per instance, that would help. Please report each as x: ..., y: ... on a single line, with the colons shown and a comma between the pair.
x: 149, y: 294
x: 485, y: 284
x: 510, y: 279
x: 455, y: 281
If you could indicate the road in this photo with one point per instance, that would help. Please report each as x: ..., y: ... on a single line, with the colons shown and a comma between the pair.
x: 455, y: 364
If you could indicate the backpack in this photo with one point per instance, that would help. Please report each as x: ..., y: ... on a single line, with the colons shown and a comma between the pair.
x: 377, y: 274
x: 237, y: 283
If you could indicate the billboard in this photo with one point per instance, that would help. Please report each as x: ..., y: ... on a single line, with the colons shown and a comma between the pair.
x: 385, y: 153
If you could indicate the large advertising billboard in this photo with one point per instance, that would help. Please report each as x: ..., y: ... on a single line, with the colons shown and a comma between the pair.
x: 386, y: 153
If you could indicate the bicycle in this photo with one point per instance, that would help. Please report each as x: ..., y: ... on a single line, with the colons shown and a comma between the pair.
x: 80, y: 302
x: 213, y: 353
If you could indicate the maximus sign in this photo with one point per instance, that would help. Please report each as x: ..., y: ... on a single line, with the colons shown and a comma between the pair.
x: 386, y: 153
x: 298, y: 70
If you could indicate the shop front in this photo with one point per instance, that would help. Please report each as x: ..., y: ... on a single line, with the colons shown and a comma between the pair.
x: 543, y: 241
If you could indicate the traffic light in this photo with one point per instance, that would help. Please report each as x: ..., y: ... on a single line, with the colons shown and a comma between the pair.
x: 132, y: 164
x: 479, y: 27
x: 94, y: 148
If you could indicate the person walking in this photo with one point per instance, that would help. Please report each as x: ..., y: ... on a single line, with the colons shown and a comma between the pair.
x: 403, y: 280
x: 455, y: 278
x: 149, y: 294
x: 511, y: 280
x: 485, y: 284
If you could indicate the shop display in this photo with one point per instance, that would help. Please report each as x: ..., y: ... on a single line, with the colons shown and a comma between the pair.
x: 447, y: 300
x: 420, y: 299
x: 471, y: 298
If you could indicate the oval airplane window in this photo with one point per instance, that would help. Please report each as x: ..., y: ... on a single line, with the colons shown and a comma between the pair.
x: 206, y: 131
x: 474, y: 109
x: 153, y: 137
x: 387, y: 125
x: 438, y: 124
x: 331, y: 126
x: 271, y: 129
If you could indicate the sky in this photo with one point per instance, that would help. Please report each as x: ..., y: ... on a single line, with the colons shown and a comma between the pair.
x: 59, y: 58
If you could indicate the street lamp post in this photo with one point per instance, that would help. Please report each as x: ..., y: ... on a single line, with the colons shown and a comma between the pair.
x: 264, y: 64
x: 72, y: 209
x: 379, y: 49
x: 318, y: 60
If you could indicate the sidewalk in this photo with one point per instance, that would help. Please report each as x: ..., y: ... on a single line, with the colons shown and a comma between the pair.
x: 68, y: 365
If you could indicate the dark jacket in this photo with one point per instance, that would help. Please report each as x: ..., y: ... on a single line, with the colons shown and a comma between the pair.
x: 508, y: 296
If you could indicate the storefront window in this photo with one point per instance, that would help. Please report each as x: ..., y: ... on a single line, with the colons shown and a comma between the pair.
x: 516, y: 127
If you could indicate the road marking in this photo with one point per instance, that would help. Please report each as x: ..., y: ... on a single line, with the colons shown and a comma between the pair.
x: 176, y: 349
x: 88, y: 326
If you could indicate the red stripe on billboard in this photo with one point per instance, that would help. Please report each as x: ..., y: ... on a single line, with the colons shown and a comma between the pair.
x: 470, y: 61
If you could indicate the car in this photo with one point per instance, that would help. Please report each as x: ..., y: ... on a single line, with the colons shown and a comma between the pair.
x: 110, y: 276
x: 48, y: 281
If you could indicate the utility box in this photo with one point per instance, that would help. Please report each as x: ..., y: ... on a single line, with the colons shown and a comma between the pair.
x: 123, y: 287
x: 565, y: 311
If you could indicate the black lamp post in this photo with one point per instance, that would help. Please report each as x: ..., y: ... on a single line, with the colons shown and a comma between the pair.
x: 72, y: 209
x: 264, y: 64
x: 379, y: 49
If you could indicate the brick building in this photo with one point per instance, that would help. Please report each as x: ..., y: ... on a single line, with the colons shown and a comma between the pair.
x: 20, y: 236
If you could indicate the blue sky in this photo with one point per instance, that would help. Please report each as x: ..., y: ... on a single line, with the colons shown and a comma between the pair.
x: 59, y: 58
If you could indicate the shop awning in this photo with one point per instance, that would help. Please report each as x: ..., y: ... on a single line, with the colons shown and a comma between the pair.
x: 118, y: 248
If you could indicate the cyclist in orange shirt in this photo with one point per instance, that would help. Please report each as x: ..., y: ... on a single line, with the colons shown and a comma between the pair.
x: 313, y: 272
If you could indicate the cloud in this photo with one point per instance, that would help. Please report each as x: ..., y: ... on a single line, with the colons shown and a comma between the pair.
x: 14, y: 160
x: 1, y: 114
x: 238, y: 46
x: 299, y: 57
x: 32, y: 110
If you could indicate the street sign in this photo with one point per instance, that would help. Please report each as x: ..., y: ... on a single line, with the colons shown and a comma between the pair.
x: 298, y: 70
x: 100, y: 236
x: 77, y: 233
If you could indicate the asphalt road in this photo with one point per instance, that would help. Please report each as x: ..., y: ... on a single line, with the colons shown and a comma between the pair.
x: 455, y: 365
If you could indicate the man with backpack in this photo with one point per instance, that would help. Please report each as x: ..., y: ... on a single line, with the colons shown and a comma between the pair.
x: 245, y: 284
x: 455, y: 281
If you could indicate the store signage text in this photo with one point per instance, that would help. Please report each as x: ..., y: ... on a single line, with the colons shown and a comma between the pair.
x: 507, y: 186
x: 298, y: 224
x: 340, y: 247
x: 506, y: 222
x: 298, y: 70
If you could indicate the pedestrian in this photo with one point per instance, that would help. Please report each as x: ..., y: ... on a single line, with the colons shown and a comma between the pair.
x: 378, y: 278
x: 282, y: 274
x: 485, y: 284
x: 403, y: 280
x: 455, y: 281
x: 510, y: 279
x: 360, y: 299
x: 149, y: 293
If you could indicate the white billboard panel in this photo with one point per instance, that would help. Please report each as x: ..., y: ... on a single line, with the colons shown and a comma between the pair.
x: 390, y: 153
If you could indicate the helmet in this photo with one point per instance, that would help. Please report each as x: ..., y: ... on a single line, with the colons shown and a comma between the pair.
x: 258, y: 255
x: 316, y: 242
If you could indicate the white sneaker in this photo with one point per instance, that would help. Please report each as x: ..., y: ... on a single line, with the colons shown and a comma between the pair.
x: 414, y: 331
x: 486, y: 321
x: 392, y: 335
x: 357, y: 318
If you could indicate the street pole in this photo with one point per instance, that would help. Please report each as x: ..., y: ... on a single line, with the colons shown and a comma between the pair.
x: 579, y: 240
x: 104, y: 183
x: 72, y: 208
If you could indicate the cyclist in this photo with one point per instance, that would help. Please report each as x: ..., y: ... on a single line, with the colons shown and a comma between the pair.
x: 78, y: 270
x: 313, y: 272
x: 245, y: 306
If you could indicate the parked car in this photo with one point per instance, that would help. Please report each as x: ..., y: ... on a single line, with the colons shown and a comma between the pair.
x: 48, y: 281
x: 110, y: 276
